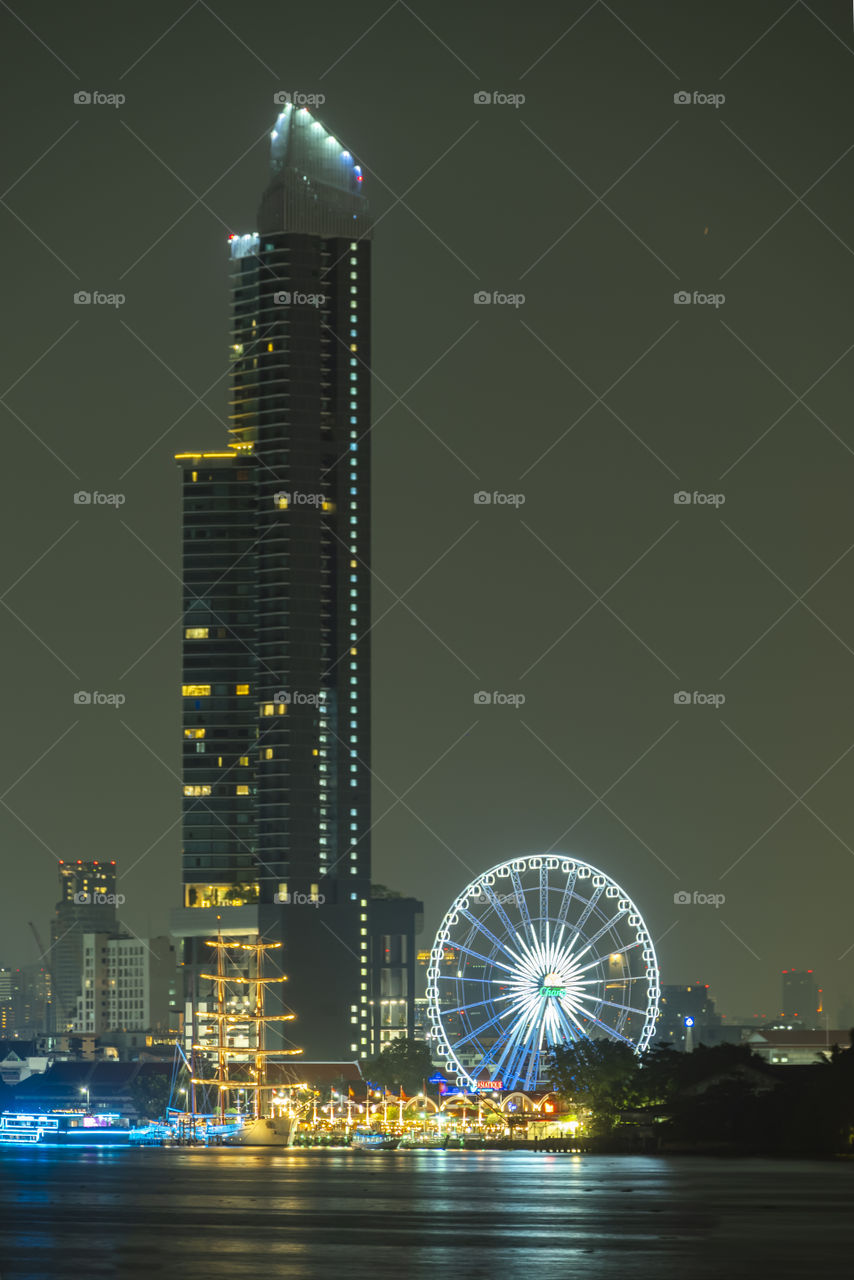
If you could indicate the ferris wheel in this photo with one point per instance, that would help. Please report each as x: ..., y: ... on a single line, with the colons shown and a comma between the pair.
x: 537, y: 952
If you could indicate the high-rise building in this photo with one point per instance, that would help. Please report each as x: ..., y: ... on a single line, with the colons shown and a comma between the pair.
x: 7, y: 1016
x: 128, y: 984
x: 31, y: 1002
x: 802, y: 997
x: 87, y: 903
x: 276, y: 650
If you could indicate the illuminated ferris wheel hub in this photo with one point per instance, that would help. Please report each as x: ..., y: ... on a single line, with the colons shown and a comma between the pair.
x: 538, y: 952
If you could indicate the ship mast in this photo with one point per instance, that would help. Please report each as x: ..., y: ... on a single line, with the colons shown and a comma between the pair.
x: 242, y: 1068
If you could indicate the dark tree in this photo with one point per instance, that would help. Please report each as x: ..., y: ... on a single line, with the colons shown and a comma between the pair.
x: 404, y: 1063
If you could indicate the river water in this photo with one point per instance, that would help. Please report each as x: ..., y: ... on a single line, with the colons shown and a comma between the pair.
x: 405, y: 1215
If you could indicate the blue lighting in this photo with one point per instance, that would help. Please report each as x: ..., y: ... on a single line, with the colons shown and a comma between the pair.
x: 689, y: 1022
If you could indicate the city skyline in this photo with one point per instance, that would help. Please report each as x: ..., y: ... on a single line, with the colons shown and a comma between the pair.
x: 596, y: 413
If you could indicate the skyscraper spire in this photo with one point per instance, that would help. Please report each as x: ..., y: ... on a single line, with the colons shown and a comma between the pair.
x: 315, y: 184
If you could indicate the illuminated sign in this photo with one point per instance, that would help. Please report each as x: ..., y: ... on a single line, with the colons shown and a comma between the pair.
x: 488, y: 1084
x: 689, y: 1022
x: 552, y: 991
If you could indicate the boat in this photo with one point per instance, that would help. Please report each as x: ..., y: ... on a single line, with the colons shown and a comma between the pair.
x: 242, y: 1069
x: 63, y: 1128
x: 261, y: 1131
x: 374, y: 1141
x: 423, y: 1143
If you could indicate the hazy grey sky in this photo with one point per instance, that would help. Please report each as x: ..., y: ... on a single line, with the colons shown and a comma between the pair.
x: 597, y: 398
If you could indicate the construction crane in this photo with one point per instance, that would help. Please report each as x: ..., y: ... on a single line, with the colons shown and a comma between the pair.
x: 39, y: 943
x: 48, y: 1008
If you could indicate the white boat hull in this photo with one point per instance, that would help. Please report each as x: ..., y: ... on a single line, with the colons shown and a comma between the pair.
x: 265, y: 1132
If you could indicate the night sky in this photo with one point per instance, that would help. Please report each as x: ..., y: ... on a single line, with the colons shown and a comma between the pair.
x: 597, y: 398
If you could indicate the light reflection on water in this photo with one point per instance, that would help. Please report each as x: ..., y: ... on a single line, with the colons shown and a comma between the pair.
x: 301, y: 1214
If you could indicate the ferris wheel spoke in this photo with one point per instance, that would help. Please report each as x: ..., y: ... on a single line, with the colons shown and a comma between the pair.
x: 510, y: 1049
x: 523, y: 1052
x: 489, y: 1055
x: 521, y: 902
x: 585, y: 915
x: 591, y: 942
x: 568, y: 891
x: 478, y: 1004
x: 502, y: 946
x: 612, y: 1004
x: 611, y: 1032
x: 569, y: 1024
x: 544, y: 902
x: 591, y: 964
x: 498, y: 908
x: 484, y: 1026
x: 532, y: 1075
x: 469, y: 951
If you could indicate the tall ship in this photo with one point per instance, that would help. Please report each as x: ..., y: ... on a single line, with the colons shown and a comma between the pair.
x: 230, y: 1039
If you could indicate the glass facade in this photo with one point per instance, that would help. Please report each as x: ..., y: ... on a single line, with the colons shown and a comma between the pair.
x: 276, y: 651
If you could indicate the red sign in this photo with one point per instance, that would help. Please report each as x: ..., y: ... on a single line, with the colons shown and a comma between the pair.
x: 489, y: 1084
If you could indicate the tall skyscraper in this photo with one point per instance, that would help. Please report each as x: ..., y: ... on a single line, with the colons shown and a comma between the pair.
x: 276, y: 656
x: 87, y: 903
